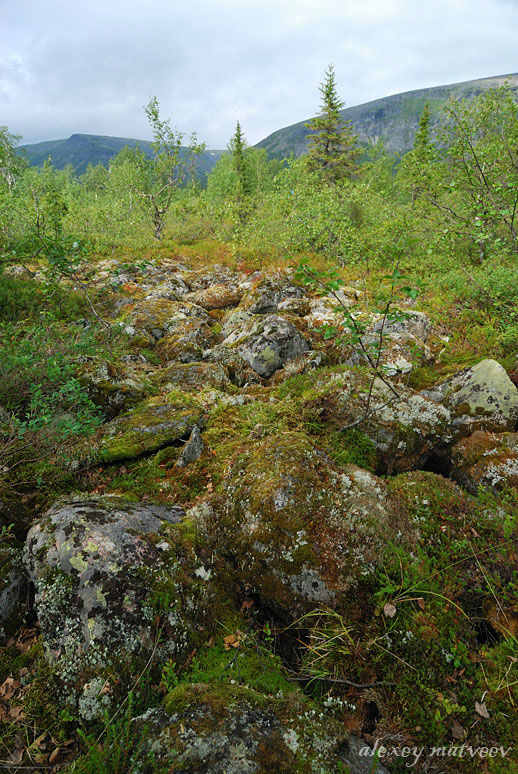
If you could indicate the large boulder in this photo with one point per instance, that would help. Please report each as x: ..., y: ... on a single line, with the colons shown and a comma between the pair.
x: 266, y: 343
x: 103, y: 569
x: 229, y: 729
x: 297, y: 531
x: 479, y: 398
x: 487, y: 460
x: 112, y: 386
x: 216, y: 297
x: 13, y: 585
x: 158, y: 317
x: 156, y: 423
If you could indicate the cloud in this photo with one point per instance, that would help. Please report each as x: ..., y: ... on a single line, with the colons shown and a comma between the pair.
x: 92, y: 67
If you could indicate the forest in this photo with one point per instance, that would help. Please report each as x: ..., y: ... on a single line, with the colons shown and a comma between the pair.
x: 259, y: 453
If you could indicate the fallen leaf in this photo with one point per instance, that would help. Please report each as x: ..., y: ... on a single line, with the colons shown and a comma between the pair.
x: 481, y: 709
x: 457, y: 731
x: 420, y: 602
x: 16, y: 757
x: 247, y: 604
x: 9, y: 687
x: 54, y: 755
x: 389, y: 610
x: 16, y: 712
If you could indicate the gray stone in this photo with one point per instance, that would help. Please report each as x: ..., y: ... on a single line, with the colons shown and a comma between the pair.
x: 479, y: 398
x: 266, y: 343
x: 192, y: 449
x: 97, y: 564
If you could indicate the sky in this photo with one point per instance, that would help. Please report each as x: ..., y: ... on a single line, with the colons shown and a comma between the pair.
x: 90, y: 67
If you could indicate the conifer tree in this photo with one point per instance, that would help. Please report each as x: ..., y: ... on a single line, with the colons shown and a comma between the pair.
x: 333, y: 147
x: 237, y: 146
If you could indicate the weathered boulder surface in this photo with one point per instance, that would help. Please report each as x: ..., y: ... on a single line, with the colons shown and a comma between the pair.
x: 98, y: 566
x: 111, y: 386
x: 193, y: 376
x: 486, y: 459
x: 298, y: 531
x: 265, y: 296
x: 13, y: 583
x: 266, y: 343
x: 153, y: 424
x: 158, y: 317
x: 225, y: 729
x: 479, y: 398
x: 216, y: 297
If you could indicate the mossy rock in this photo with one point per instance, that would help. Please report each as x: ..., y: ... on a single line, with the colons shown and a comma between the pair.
x: 211, y: 728
x: 192, y: 377
x: 111, y: 386
x: 487, y: 460
x: 104, y: 572
x: 479, y: 398
x: 13, y: 584
x: 150, y: 426
x: 216, y: 297
x: 295, y: 529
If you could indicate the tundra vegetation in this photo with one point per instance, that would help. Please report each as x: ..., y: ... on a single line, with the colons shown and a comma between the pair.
x: 259, y: 454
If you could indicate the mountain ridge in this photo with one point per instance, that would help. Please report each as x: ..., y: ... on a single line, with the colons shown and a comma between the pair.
x: 394, y: 118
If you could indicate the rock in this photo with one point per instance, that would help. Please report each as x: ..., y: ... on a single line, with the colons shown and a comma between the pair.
x: 111, y: 386
x: 299, y: 365
x: 154, y: 424
x: 192, y: 449
x: 486, y: 460
x: 193, y: 376
x: 479, y: 398
x: 157, y: 317
x: 414, y: 325
x: 103, y: 569
x: 406, y: 428
x: 298, y: 532
x: 266, y: 343
x: 187, y: 344
x: 265, y: 296
x: 229, y: 729
x: 238, y: 370
x: 13, y: 585
x: 297, y: 306
x: 358, y: 758
x: 216, y: 297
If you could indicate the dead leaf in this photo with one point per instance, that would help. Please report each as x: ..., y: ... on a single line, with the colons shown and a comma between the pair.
x: 16, y: 712
x: 247, y: 604
x: 420, y: 602
x: 9, y: 688
x: 481, y: 709
x: 16, y: 757
x: 54, y: 755
x: 389, y: 610
x: 457, y: 731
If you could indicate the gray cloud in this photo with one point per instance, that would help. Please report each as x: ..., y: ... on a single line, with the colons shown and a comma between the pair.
x: 66, y: 68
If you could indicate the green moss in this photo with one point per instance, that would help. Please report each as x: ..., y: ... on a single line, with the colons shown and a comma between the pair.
x: 148, y: 427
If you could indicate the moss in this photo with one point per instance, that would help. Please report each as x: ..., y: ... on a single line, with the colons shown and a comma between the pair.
x: 157, y: 422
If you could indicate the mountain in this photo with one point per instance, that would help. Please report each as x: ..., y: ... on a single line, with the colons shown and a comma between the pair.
x: 393, y: 119
x: 79, y: 150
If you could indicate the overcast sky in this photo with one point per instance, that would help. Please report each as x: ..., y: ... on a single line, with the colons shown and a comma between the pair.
x: 89, y: 67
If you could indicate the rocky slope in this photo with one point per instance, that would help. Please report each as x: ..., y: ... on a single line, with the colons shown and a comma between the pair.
x: 242, y: 519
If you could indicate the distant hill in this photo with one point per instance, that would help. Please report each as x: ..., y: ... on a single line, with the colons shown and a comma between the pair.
x: 79, y: 150
x: 393, y: 119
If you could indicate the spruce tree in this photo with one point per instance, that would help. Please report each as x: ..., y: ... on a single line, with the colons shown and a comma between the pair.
x: 333, y: 147
x: 237, y: 147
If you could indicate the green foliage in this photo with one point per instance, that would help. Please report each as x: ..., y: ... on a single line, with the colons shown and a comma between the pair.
x: 121, y: 750
x: 333, y: 148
